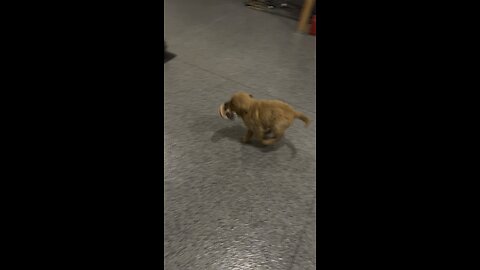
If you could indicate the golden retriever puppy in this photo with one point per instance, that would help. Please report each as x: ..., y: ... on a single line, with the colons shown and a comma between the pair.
x: 266, y: 120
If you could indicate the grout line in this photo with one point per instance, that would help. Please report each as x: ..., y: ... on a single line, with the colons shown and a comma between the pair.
x: 242, y: 84
x: 303, y: 232
x: 201, y: 89
x: 219, y: 75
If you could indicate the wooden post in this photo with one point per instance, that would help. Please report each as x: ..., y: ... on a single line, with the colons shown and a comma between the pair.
x: 305, y: 15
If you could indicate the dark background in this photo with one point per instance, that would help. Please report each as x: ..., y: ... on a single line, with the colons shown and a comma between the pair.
x: 94, y: 75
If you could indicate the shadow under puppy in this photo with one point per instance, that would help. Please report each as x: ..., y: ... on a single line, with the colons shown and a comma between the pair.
x: 266, y: 120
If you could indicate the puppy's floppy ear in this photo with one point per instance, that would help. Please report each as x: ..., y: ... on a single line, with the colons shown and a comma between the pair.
x: 240, y: 103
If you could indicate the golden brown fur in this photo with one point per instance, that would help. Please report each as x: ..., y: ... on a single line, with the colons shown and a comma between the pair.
x: 263, y: 117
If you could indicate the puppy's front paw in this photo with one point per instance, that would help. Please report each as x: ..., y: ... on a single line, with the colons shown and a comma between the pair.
x: 245, y: 140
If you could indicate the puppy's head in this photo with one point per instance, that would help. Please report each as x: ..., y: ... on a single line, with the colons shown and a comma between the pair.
x: 239, y: 103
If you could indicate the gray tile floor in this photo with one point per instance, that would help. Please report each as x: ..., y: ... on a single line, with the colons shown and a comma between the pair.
x: 229, y: 205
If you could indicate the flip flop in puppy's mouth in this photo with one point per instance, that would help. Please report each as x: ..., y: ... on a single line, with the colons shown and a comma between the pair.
x: 225, y: 113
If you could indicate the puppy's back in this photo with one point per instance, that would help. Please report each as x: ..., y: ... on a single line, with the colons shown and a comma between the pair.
x: 268, y: 112
x: 275, y: 105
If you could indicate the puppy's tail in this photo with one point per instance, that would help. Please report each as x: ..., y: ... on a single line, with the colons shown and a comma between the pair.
x: 302, y: 117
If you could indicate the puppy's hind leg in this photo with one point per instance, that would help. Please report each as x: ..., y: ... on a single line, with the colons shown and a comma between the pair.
x: 277, y: 135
